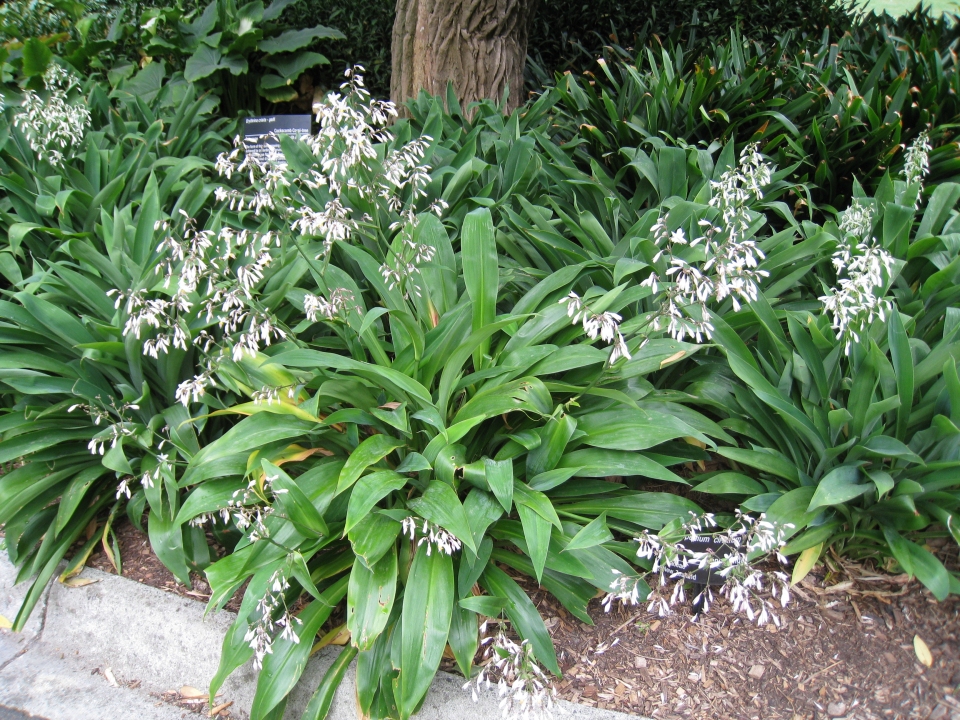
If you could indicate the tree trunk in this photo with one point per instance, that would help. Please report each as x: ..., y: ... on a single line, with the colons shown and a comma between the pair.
x: 478, y: 45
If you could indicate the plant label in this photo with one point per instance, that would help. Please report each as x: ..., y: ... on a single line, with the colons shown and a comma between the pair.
x: 261, y: 135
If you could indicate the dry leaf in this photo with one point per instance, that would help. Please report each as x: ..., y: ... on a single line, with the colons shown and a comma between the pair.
x: 808, y: 558
x: 342, y: 638
x: 923, y: 652
x: 4, y: 623
x: 191, y: 692
x: 108, y: 674
x: 219, y: 708
x: 673, y: 358
x: 75, y: 582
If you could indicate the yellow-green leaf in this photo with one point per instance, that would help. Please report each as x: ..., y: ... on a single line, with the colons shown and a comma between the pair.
x: 808, y: 558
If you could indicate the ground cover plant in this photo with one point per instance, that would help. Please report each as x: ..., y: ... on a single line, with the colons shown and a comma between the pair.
x: 402, y: 355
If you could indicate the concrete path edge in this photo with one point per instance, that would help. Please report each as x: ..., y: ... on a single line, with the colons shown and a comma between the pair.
x: 164, y: 641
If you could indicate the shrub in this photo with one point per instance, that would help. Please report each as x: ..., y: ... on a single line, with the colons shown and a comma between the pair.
x: 82, y: 408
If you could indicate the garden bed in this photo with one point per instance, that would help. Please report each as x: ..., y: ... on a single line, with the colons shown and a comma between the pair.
x: 844, y: 649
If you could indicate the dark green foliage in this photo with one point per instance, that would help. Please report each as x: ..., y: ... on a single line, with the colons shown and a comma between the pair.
x: 368, y: 26
x: 568, y: 34
x: 838, y: 108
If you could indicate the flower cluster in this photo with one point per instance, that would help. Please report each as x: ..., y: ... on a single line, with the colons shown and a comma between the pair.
x: 120, y: 428
x: 862, y: 269
x: 916, y: 165
x: 605, y: 324
x: 433, y: 535
x: 730, y: 268
x: 53, y: 125
x: 275, y: 620
x: 524, y: 689
x: 216, y: 273
x: 704, y: 555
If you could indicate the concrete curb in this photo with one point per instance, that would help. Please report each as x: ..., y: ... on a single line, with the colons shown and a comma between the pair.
x: 163, y: 641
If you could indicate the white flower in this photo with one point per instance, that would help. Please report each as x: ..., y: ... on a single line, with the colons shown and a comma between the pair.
x: 53, y: 126
x: 524, y: 689
x: 432, y: 535
x: 917, y: 162
x: 606, y: 325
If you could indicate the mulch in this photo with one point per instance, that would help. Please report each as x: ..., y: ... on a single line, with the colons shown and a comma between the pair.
x: 845, y: 648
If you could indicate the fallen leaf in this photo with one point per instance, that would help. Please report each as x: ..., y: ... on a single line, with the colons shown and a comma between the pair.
x: 191, y: 692
x: 923, y: 652
x: 4, y: 623
x: 342, y: 638
x: 808, y: 558
x: 108, y: 674
x: 673, y: 358
x: 75, y: 582
x: 219, y: 708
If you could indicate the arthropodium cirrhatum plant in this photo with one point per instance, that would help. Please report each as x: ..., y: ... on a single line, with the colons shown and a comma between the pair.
x: 402, y: 432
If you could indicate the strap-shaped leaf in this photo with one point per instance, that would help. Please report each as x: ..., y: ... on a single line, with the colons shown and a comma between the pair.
x: 368, y: 491
x: 480, y: 272
x: 283, y: 667
x: 427, y: 610
x: 370, y: 596
x: 370, y: 451
x: 523, y: 614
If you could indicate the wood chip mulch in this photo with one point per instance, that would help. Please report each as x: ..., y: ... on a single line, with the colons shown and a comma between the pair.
x: 845, y: 648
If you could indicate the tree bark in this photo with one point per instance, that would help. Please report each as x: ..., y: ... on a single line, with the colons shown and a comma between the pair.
x: 478, y: 45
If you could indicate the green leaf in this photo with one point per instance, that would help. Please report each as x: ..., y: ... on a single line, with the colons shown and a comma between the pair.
x: 292, y: 65
x: 888, y: 447
x: 36, y: 57
x: 276, y: 8
x: 440, y: 505
x: 296, y: 39
x: 536, y: 501
x: 370, y: 597
x: 771, y: 462
x: 536, y: 532
x: 486, y: 605
x: 294, y: 503
x: 647, y: 509
x: 427, y: 610
x: 480, y: 273
x: 319, y: 706
x: 499, y: 475
x: 373, y: 536
x: 838, y: 486
x: 251, y: 433
x: 464, y: 637
x: 791, y: 509
x: 370, y: 451
x: 593, y: 533
x: 633, y: 429
x: 283, y: 667
x: 166, y: 540
x: 731, y: 483
x: 920, y: 563
x: 209, y: 497
x: 204, y: 62
x: 554, y: 437
x: 523, y: 614
x: 368, y: 491
x: 603, y: 463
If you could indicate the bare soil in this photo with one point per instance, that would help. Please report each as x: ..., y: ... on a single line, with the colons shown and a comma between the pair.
x: 845, y: 648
